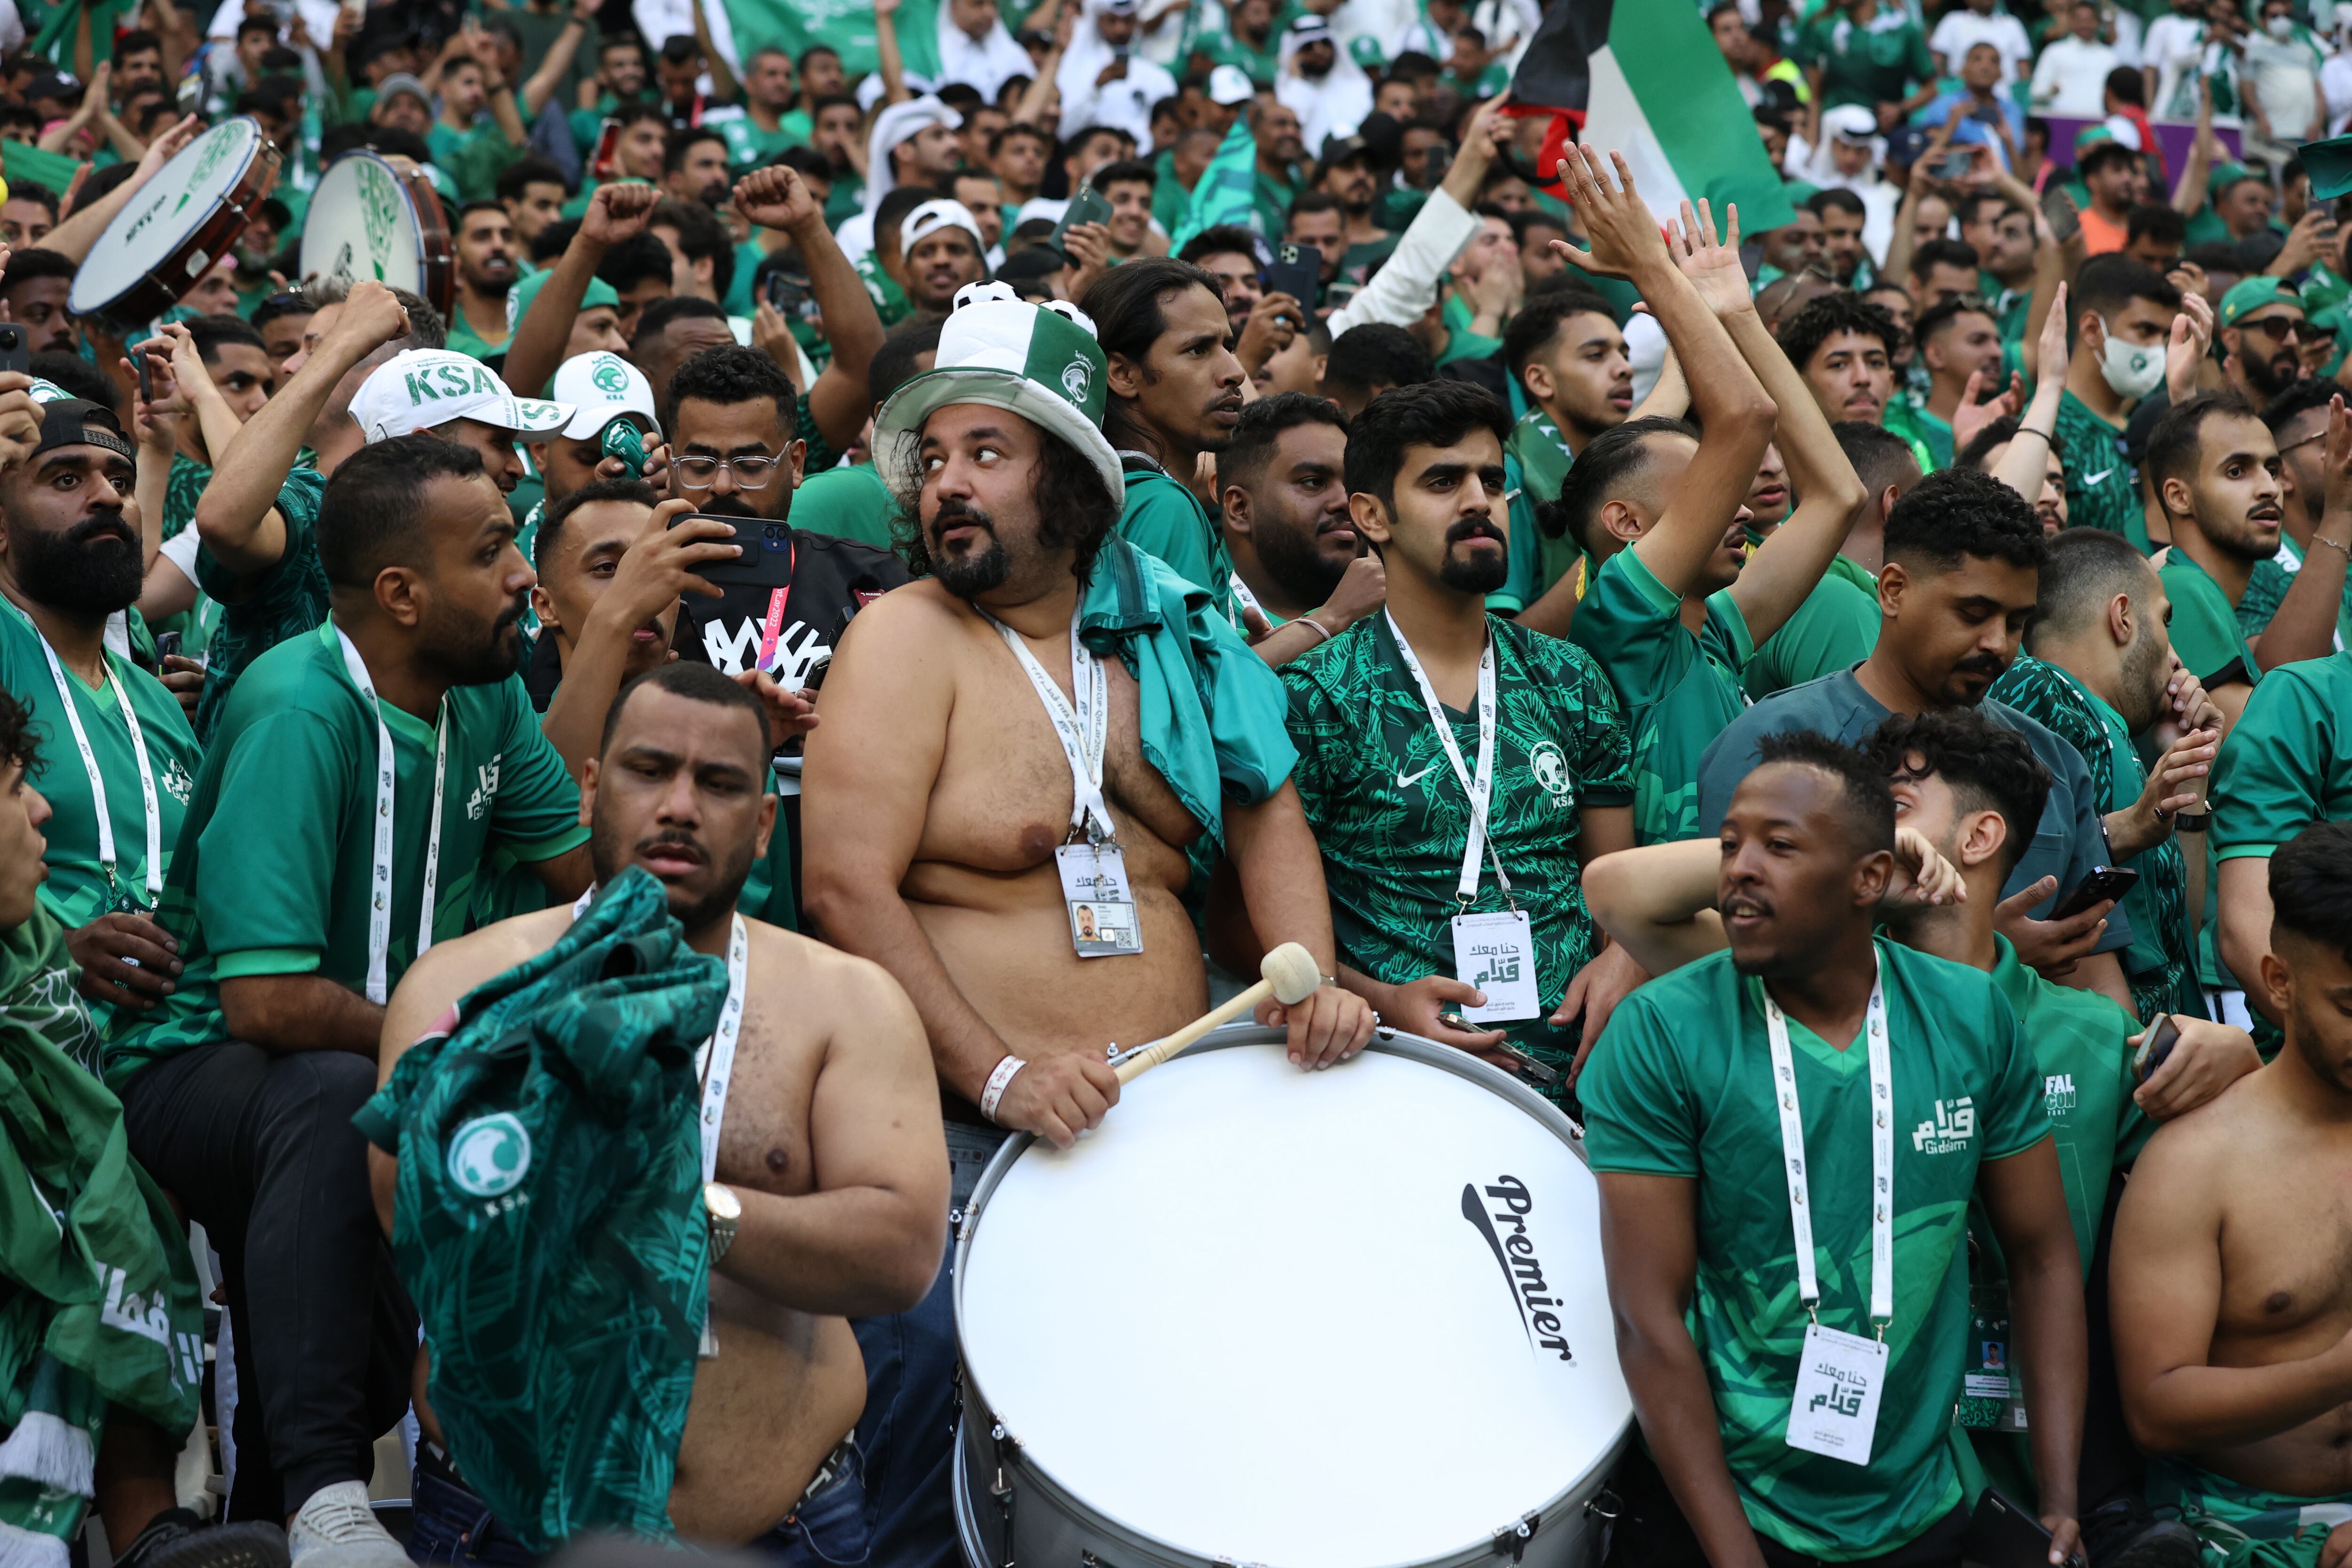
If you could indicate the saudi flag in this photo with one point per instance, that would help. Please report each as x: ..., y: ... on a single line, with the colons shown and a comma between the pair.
x: 1646, y: 80
x: 1227, y: 191
x: 846, y: 27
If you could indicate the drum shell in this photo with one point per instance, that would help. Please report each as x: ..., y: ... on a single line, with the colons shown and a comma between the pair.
x: 160, y: 286
x: 1053, y: 1528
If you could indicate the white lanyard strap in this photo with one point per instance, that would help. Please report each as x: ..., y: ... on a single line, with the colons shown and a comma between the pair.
x: 105, y: 856
x: 1083, y: 728
x: 387, y: 780
x: 1480, y: 787
x: 1882, y: 1158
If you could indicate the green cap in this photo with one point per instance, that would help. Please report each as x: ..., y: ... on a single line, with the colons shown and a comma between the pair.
x: 1367, y: 53
x: 2224, y: 176
x: 2329, y: 163
x: 2252, y: 294
x: 526, y: 288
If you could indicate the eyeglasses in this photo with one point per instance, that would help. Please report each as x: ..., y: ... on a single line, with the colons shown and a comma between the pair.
x: 750, y: 473
x: 2278, y: 329
x: 2307, y: 440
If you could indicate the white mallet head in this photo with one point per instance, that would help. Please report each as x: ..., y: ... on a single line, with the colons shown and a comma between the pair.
x: 1290, y: 969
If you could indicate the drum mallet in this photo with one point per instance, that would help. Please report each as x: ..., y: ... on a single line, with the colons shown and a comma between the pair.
x: 1290, y: 978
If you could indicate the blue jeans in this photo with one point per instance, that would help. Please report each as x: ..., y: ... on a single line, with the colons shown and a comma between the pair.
x: 447, y: 1523
x: 907, y: 1433
x: 827, y: 1530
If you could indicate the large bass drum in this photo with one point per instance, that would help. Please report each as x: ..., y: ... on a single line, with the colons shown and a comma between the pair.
x: 373, y: 217
x: 1346, y: 1318
x: 176, y: 227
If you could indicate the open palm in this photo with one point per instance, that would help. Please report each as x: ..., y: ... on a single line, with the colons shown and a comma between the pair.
x: 1711, y: 264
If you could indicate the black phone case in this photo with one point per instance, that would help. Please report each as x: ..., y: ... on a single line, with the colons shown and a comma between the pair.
x: 2104, y: 882
x: 15, y: 353
x: 2002, y: 1534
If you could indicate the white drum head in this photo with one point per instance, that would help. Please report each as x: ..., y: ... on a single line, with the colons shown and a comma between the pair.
x: 362, y: 223
x: 1250, y: 1317
x: 167, y: 211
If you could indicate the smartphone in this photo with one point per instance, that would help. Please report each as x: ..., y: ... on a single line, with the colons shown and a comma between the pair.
x: 622, y: 441
x: 15, y: 353
x: 1089, y: 206
x: 1952, y: 167
x: 2103, y: 882
x: 167, y: 645
x: 767, y: 558
x: 1297, y: 271
x: 786, y: 292
x: 2004, y: 1534
x: 146, y: 373
x: 2156, y: 1044
x: 608, y: 147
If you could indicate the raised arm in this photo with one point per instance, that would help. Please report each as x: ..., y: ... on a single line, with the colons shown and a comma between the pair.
x: 237, y: 514
x: 1405, y: 286
x: 558, y: 61
x: 723, y: 85
x: 886, y: 50
x: 615, y: 213
x: 776, y: 198
x: 80, y: 229
x: 1729, y: 403
x: 2022, y: 466
x: 2304, y: 624
x: 1659, y: 901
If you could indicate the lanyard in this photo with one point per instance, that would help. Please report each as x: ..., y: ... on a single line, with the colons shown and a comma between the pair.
x: 387, y: 778
x: 1082, y: 730
x: 106, y: 855
x: 1882, y: 1160
x: 1479, y: 789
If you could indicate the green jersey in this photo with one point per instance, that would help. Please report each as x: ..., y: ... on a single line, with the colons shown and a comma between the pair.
x: 2266, y: 590
x: 1678, y: 689
x: 284, y: 602
x: 889, y: 299
x: 1871, y: 63
x: 1931, y: 436
x: 1165, y: 519
x: 1392, y: 819
x: 277, y: 855
x: 2161, y: 963
x: 1833, y: 629
x: 465, y: 340
x: 181, y: 490
x: 1543, y: 454
x: 749, y: 148
x: 2288, y: 760
x: 473, y: 158
x: 850, y: 502
x: 81, y: 886
x: 1259, y: 62
x: 2205, y: 624
x: 1538, y: 561
x: 1681, y: 1085
x: 1270, y: 199
x: 2101, y: 488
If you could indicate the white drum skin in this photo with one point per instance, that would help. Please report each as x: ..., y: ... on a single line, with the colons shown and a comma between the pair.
x: 1352, y: 1319
x: 369, y: 218
x: 177, y: 227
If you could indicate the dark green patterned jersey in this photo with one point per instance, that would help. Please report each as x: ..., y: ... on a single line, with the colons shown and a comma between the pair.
x: 270, y: 607
x: 2266, y: 590
x: 1680, y: 1084
x: 1678, y: 690
x: 2161, y: 962
x: 2102, y: 489
x: 1392, y: 819
x: 181, y: 490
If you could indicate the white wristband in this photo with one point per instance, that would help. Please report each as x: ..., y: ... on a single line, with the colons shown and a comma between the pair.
x: 997, y: 1081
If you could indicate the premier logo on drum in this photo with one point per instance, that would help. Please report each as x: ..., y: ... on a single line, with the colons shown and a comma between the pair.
x: 1515, y: 1255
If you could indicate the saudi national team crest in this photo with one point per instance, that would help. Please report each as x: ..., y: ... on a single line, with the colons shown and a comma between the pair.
x: 1077, y: 377
x: 610, y: 377
x: 1550, y: 765
x: 489, y: 1155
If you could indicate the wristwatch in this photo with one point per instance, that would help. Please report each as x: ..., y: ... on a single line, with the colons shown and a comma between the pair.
x: 725, y: 1212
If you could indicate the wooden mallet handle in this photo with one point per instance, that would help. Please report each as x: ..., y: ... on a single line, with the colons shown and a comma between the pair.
x: 1289, y: 976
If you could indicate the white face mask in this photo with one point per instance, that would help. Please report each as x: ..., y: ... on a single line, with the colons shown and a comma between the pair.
x: 2132, y: 370
x: 2280, y: 27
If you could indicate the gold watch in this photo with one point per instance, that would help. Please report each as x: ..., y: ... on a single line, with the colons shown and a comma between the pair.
x: 725, y: 1212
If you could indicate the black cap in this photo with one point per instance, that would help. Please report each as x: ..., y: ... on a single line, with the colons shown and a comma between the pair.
x: 52, y: 84
x: 76, y: 422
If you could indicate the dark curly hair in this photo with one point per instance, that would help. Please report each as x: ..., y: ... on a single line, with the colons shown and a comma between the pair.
x: 1957, y: 512
x: 1989, y: 766
x: 1802, y: 334
x: 1869, y: 808
x: 19, y: 743
x: 1073, y: 505
x: 728, y: 375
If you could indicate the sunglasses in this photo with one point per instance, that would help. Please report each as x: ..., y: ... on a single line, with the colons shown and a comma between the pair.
x: 2278, y: 329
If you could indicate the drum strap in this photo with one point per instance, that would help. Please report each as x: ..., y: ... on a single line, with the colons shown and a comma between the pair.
x: 1882, y: 1158
x: 1082, y: 728
x: 1480, y: 787
x: 387, y: 776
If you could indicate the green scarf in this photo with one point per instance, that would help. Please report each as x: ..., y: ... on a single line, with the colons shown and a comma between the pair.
x: 547, y: 1219
x: 100, y: 1305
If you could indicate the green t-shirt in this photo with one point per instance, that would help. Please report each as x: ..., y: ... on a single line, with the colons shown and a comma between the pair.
x: 2266, y: 590
x: 748, y: 147
x: 1357, y: 262
x: 1678, y: 690
x: 2102, y: 489
x: 284, y: 602
x: 1461, y: 343
x: 1164, y: 519
x: 1392, y: 820
x: 2205, y: 624
x: 2161, y: 965
x: 1542, y: 459
x: 464, y: 339
x: 1833, y: 629
x: 1681, y: 1085
x: 1543, y: 454
x: 1909, y: 418
x: 1170, y: 200
x: 1271, y: 198
x: 473, y: 158
x: 77, y: 890
x: 275, y: 862
x: 2288, y: 760
x: 845, y: 200
x: 850, y: 503
x: 1227, y: 47
x: 889, y: 300
x: 1878, y: 62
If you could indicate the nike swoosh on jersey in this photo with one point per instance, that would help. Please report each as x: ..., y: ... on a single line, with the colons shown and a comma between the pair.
x: 2094, y: 479
x: 1406, y: 781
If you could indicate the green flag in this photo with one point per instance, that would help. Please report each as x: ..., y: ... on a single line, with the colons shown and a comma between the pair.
x: 1227, y: 192
x: 845, y: 26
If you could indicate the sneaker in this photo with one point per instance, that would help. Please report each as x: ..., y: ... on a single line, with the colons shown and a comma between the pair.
x: 337, y: 1529
x: 2127, y: 1533
x: 176, y: 1538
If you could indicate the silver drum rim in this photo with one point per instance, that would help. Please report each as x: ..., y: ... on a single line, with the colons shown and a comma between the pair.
x: 1392, y: 1042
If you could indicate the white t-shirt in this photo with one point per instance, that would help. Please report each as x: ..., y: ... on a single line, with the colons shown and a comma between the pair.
x: 2070, y: 80
x: 2173, y: 46
x: 1962, y: 30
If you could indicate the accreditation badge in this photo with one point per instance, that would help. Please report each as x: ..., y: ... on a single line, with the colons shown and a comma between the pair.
x: 1835, y: 1411
x: 1496, y: 953
x: 1102, y: 910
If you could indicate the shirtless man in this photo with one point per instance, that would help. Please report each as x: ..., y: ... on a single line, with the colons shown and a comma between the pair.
x: 936, y: 792
x: 2233, y: 1310
x: 830, y: 1140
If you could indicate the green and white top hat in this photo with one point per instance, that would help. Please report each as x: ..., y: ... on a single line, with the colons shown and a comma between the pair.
x: 600, y: 387
x: 1038, y: 361
x: 418, y: 389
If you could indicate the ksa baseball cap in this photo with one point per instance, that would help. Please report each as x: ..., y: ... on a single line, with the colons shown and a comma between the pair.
x: 600, y: 388
x: 1228, y: 85
x: 419, y: 389
x: 1039, y: 361
x: 939, y: 213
